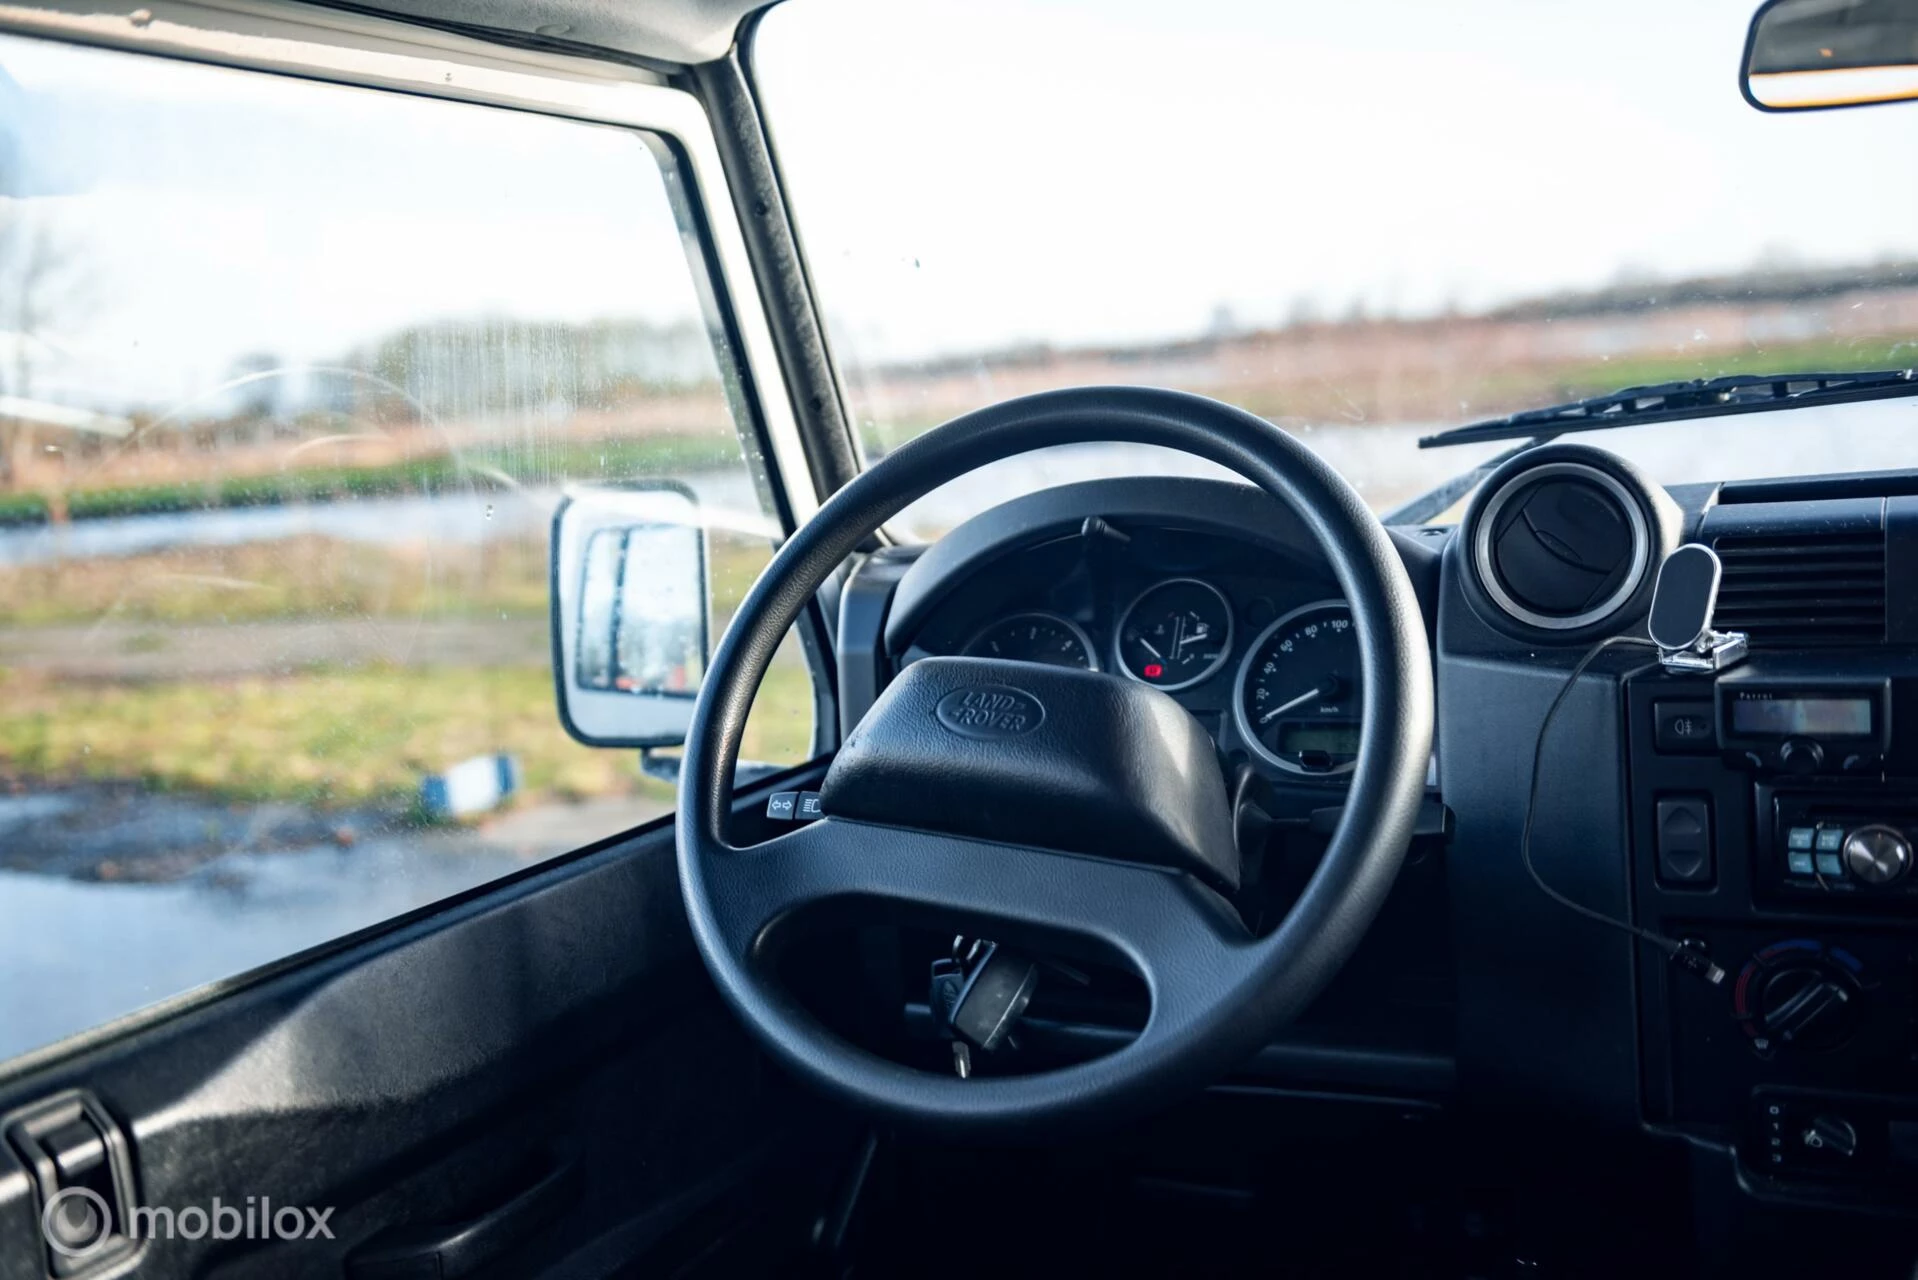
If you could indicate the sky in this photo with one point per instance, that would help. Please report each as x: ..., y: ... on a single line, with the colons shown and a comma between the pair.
x: 207, y: 214
x: 969, y: 173
x: 966, y: 176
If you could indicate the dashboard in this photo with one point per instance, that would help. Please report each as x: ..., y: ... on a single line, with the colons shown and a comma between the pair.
x: 1662, y: 798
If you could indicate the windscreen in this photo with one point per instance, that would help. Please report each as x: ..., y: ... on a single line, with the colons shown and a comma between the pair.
x: 1366, y: 222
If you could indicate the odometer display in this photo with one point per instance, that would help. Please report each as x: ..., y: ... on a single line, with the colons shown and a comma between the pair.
x: 1034, y: 637
x: 1297, y: 737
x: 1300, y: 693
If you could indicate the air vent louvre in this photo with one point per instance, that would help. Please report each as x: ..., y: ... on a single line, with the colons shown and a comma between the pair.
x: 1798, y: 590
x: 1561, y: 545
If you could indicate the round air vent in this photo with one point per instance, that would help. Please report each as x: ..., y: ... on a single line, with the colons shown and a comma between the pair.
x: 1560, y: 545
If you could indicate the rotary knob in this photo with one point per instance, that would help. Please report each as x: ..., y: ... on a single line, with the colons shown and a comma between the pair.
x: 1877, y: 854
x: 1799, y: 995
x: 1801, y: 756
x: 1807, y: 1006
x: 1831, y: 1135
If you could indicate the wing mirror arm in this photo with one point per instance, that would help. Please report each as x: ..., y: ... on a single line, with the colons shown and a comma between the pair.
x: 666, y: 768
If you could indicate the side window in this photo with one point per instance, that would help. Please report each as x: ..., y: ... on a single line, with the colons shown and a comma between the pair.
x: 293, y: 378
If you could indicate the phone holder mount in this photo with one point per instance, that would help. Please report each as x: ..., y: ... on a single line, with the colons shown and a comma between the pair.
x: 1683, y: 601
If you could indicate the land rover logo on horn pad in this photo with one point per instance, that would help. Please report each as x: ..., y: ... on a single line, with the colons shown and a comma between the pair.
x: 990, y: 711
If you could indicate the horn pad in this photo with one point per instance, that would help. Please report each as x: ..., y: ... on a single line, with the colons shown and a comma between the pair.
x: 1046, y: 756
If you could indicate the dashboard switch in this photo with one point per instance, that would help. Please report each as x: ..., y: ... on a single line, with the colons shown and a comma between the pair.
x: 1684, y: 727
x: 1685, y: 841
x: 1831, y: 1134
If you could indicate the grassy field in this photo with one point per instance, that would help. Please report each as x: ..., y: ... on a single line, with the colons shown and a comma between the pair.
x: 1637, y: 370
x: 479, y: 469
x: 355, y: 735
x: 1437, y: 395
x: 283, y: 579
x: 337, y: 738
x: 1500, y: 390
x: 319, y: 578
x: 345, y: 735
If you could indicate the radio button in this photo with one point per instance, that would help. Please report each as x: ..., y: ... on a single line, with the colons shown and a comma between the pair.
x: 1801, y: 756
x: 1798, y: 862
x: 1800, y: 838
x: 1830, y: 839
x: 1684, y: 727
x: 1831, y: 866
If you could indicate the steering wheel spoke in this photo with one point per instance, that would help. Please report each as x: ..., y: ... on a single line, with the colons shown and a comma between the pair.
x: 1179, y: 936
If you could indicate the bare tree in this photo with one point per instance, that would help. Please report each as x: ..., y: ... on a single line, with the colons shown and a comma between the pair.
x: 40, y: 289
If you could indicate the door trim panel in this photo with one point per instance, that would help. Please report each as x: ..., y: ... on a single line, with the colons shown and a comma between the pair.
x: 316, y: 1080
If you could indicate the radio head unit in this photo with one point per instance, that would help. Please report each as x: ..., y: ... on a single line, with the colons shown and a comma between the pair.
x: 1798, y: 724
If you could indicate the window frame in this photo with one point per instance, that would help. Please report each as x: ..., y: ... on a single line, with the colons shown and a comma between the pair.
x: 367, y: 51
x: 361, y: 50
x: 390, y: 56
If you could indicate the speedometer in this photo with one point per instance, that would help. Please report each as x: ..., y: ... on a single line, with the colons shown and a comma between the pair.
x: 1035, y: 637
x: 1300, y: 691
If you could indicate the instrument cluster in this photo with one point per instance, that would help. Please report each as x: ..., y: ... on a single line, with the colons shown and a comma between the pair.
x: 1261, y: 650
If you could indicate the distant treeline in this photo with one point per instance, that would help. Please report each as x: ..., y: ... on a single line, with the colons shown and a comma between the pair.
x: 1753, y: 286
x: 491, y: 367
x: 1775, y: 284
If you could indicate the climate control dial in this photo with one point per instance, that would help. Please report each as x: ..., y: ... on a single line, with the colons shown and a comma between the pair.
x: 1798, y: 995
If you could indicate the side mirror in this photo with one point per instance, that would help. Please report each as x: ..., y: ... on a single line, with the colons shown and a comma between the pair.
x: 629, y: 607
x: 1802, y: 55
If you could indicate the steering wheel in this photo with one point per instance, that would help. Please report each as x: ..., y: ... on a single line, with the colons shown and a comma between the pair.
x: 1217, y: 991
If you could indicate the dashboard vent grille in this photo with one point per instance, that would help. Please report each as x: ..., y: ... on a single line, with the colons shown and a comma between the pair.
x: 1797, y: 590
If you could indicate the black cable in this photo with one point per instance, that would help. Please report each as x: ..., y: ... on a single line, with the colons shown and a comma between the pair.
x: 1687, y: 956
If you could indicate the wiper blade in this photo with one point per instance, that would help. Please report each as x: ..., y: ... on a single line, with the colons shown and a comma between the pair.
x: 1675, y: 401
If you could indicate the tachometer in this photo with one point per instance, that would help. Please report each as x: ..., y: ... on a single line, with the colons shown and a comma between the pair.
x: 1300, y: 691
x: 1176, y: 634
x: 1035, y: 637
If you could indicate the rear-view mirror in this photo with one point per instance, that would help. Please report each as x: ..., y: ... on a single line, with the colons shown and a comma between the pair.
x: 629, y: 609
x: 1802, y: 55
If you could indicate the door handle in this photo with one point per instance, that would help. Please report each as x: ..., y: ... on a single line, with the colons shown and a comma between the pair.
x: 444, y: 1251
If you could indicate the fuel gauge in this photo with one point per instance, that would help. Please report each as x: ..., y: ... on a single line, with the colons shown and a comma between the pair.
x: 1176, y: 634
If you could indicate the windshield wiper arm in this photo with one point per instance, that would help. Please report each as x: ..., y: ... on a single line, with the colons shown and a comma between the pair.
x: 1439, y: 499
x: 1674, y: 401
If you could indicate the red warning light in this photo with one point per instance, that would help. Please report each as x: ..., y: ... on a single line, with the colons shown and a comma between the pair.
x: 1153, y: 671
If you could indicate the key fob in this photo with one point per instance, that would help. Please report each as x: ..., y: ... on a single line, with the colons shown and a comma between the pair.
x: 997, y: 990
